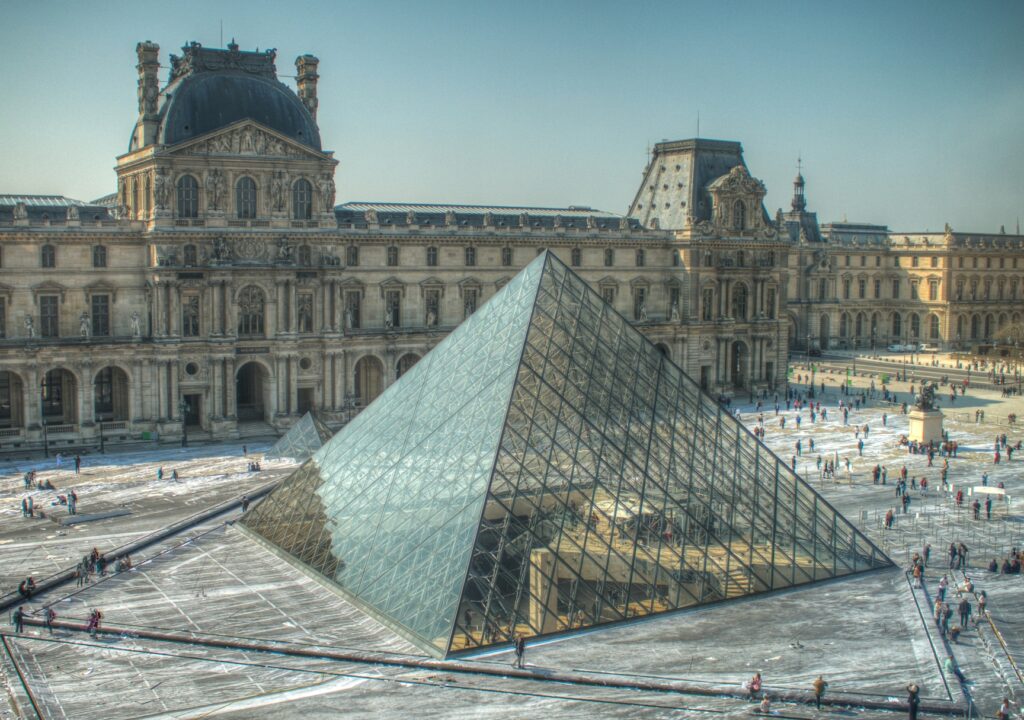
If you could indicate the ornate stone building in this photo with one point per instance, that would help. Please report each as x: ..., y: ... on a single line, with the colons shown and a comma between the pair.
x: 221, y: 290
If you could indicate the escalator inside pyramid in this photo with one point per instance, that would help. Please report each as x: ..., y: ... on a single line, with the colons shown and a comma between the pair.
x: 546, y: 469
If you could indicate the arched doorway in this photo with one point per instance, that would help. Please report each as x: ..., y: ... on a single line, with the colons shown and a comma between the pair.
x: 405, y: 363
x: 59, y: 394
x: 791, y: 331
x: 823, y: 332
x: 12, y: 411
x: 111, y: 396
x: 252, y: 392
x: 663, y: 349
x: 739, y: 359
x: 369, y: 380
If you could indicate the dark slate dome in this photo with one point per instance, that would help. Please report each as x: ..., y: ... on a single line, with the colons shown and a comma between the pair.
x: 208, y: 101
x: 212, y: 88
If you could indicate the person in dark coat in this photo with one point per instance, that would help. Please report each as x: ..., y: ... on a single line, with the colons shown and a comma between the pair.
x: 19, y: 619
x: 913, y: 701
x: 520, y: 648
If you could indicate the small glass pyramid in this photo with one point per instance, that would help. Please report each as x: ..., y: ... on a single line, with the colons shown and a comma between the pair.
x: 545, y: 468
x: 303, y: 439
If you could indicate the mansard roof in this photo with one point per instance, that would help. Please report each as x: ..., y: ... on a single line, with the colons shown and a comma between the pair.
x: 359, y: 213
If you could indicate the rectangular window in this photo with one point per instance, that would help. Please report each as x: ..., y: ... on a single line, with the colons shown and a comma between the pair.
x: 933, y: 291
x: 609, y: 257
x: 673, y: 303
x: 913, y: 291
x: 640, y: 257
x: 352, y: 256
x: 353, y: 316
x: 431, y: 257
x: 707, y: 305
x: 846, y: 289
x: 863, y: 260
x: 49, y: 316
x: 608, y: 293
x: 878, y: 289
x: 5, y: 399
x: 304, y: 312
x: 914, y: 261
x: 576, y: 257
x: 974, y: 262
x: 862, y: 289
x: 104, y: 401
x: 190, y: 316
x: 988, y: 263
x: 640, y: 303
x: 960, y: 261
x: 392, y: 256
x: 895, y: 289
x: 469, y: 300
x: 896, y: 260
x: 822, y: 289
x: 506, y: 257
x: 470, y: 256
x: 48, y: 256
x: 878, y: 261
x: 675, y: 258
x: 935, y: 262
x: 101, y: 315
x: 1002, y: 263
x: 771, y: 304
x: 847, y: 261
x: 99, y: 256
x: 392, y: 309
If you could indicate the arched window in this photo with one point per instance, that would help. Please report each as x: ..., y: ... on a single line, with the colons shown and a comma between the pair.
x: 188, y: 197
x: 915, y: 325
x: 844, y: 323
x: 302, y: 200
x: 975, y: 326
x: 99, y: 256
x: 251, y: 303
x: 897, y: 325
x: 245, y: 198
x: 739, y: 302
x: 191, y: 256
x: 739, y: 213
x: 933, y: 327
x: 48, y: 256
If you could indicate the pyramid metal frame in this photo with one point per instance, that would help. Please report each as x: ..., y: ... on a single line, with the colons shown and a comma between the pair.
x: 303, y: 439
x: 545, y: 468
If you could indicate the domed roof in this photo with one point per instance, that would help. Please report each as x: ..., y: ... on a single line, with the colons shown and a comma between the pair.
x: 211, y: 89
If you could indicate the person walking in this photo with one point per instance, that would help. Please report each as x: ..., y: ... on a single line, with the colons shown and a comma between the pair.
x: 18, y: 618
x: 820, y: 685
x: 943, y: 584
x: 49, y: 616
x: 245, y: 503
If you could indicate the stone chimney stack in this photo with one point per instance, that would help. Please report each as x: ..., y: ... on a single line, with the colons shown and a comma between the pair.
x: 306, y: 78
x: 149, y: 92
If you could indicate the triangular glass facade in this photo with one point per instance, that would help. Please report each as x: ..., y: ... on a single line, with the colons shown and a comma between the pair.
x: 303, y: 439
x: 544, y: 469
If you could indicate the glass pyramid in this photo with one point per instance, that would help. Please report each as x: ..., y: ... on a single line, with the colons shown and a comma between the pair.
x: 303, y: 439
x: 546, y: 468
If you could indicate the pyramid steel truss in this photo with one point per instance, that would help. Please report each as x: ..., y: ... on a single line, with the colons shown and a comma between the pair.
x: 546, y: 468
x: 303, y: 439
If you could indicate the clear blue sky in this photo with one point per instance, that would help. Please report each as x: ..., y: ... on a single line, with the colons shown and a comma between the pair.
x: 905, y: 113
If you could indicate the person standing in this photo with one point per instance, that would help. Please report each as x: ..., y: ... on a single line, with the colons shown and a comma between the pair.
x: 49, y: 617
x: 520, y: 649
x: 965, y: 612
x: 19, y: 619
x: 245, y: 503
x: 913, y: 701
x: 78, y: 464
x: 819, y: 689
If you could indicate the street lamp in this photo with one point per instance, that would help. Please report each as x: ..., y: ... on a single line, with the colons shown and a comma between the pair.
x: 183, y: 409
x: 42, y: 419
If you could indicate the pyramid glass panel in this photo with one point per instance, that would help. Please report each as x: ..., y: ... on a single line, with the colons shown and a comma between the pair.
x: 544, y: 469
x: 303, y: 439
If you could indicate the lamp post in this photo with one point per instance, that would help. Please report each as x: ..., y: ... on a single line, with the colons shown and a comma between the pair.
x: 42, y: 420
x: 183, y: 409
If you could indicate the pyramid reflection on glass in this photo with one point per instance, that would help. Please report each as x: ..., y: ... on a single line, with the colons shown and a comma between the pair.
x: 303, y: 439
x: 546, y: 468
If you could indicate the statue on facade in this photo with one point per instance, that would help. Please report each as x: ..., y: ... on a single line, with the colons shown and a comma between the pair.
x: 136, y: 324
x: 21, y: 211
x: 215, y: 189
x: 84, y: 324
x: 221, y: 250
x: 388, y: 320
x: 30, y: 326
x: 277, y: 190
x: 431, y: 318
x: 350, y: 317
x: 370, y: 216
x: 673, y: 312
x: 73, y: 213
x: 926, y: 399
x: 284, y: 251
x: 643, y: 312
x: 161, y: 188
x: 327, y: 192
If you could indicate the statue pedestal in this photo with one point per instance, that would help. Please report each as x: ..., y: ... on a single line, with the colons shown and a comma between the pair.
x: 926, y: 425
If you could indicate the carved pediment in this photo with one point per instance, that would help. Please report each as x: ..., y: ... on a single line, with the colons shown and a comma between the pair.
x: 100, y: 288
x: 738, y: 181
x: 48, y: 288
x: 246, y: 138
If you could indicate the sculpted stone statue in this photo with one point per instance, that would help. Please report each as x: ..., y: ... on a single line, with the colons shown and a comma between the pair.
x: 284, y: 250
x: 350, y: 317
x: 673, y: 312
x: 643, y: 311
x: 84, y: 324
x: 388, y: 321
x: 30, y: 326
x: 136, y: 321
x: 73, y: 212
x: 277, y: 190
x: 431, y: 318
x: 327, y: 192
x: 161, y: 189
x: 215, y: 189
x: 926, y: 400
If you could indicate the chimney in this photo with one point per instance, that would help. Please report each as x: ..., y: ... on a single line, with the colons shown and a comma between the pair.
x: 306, y: 78
x: 149, y: 92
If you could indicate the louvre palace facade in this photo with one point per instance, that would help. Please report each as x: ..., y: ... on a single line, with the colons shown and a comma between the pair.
x: 221, y: 290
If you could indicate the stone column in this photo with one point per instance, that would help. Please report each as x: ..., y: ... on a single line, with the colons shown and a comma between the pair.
x: 230, y: 311
x: 174, y: 321
x: 161, y: 390
x: 31, y: 397
x: 230, y: 388
x: 86, y: 397
x: 293, y: 384
x: 158, y: 310
x: 293, y: 312
x: 172, y: 383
